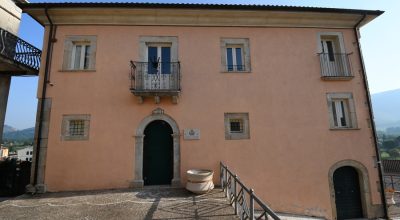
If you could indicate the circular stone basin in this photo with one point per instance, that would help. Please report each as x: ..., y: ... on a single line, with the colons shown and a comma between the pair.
x: 197, y: 175
x: 199, y: 181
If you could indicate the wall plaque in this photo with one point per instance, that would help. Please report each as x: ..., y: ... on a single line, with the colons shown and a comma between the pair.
x: 191, y: 134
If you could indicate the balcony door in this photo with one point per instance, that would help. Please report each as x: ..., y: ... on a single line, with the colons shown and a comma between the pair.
x: 158, y: 75
x: 334, y: 58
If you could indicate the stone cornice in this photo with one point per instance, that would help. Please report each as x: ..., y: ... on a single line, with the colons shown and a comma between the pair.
x: 197, y: 17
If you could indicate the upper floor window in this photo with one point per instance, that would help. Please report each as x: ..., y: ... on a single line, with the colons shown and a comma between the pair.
x: 159, y: 58
x: 341, y: 110
x: 333, y: 58
x: 235, y: 55
x: 79, y: 53
x: 80, y: 57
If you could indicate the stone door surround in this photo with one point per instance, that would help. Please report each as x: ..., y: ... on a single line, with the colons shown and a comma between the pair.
x: 157, y: 114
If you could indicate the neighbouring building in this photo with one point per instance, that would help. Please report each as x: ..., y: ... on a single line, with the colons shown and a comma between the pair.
x: 25, y: 154
x: 3, y: 152
x: 17, y: 57
x: 135, y: 94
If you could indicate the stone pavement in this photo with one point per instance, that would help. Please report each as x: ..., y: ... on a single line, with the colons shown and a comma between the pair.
x: 147, y: 203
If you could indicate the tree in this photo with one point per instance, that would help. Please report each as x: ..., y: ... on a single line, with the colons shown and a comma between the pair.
x: 389, y: 145
x: 394, y: 153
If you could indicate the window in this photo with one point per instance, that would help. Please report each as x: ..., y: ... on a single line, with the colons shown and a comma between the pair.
x: 237, y: 126
x: 31, y: 152
x: 159, y: 59
x: 235, y: 55
x: 333, y: 57
x: 79, y: 53
x: 75, y: 127
x: 26, y: 159
x: 30, y: 159
x: 80, y: 56
x: 234, y: 58
x: 341, y: 110
x: 27, y: 153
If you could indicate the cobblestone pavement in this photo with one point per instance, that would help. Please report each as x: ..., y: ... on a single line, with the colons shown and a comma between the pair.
x: 148, y: 203
x: 394, y: 210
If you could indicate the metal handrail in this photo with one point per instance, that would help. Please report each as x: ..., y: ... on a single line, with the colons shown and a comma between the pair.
x: 242, y: 198
x: 335, y: 65
x: 155, y: 76
x: 18, y: 50
x: 392, y: 181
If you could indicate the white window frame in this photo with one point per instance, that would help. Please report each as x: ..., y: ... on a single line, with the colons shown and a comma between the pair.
x: 349, y: 111
x: 84, y: 46
x: 70, y: 44
x: 234, y: 55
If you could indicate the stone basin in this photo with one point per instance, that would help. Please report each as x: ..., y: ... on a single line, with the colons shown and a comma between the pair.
x: 199, y: 181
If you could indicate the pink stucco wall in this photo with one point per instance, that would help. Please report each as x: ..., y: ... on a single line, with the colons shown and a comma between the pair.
x: 291, y: 148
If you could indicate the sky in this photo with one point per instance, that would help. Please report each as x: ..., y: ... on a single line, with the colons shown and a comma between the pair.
x: 379, y: 40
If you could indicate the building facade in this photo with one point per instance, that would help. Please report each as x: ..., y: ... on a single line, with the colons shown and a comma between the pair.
x: 25, y: 154
x: 144, y: 92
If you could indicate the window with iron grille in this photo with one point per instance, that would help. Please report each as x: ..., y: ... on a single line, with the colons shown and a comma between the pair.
x: 75, y: 127
x: 237, y: 126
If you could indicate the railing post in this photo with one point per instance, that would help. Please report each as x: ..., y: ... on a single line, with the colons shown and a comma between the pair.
x: 226, y: 181
x: 221, y: 176
x: 251, y: 204
x: 234, y: 194
x: 391, y: 180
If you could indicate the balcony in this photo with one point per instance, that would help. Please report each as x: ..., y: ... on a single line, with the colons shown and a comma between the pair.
x: 155, y: 79
x: 335, y: 66
x: 18, y: 57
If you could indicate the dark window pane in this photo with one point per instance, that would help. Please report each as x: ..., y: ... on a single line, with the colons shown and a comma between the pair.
x: 331, y: 55
x: 166, y: 60
x: 343, y: 118
x: 152, y: 60
x: 236, y: 125
x: 229, y: 59
x: 239, y: 62
x: 87, y: 57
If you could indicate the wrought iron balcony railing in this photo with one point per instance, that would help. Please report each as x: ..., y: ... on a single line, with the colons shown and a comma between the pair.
x: 155, y: 78
x: 19, y: 51
x: 335, y: 65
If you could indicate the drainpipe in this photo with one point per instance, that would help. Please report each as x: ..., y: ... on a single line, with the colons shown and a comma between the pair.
x: 371, y: 115
x: 43, y: 96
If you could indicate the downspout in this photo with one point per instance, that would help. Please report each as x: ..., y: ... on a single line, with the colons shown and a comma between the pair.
x: 43, y: 96
x: 371, y: 115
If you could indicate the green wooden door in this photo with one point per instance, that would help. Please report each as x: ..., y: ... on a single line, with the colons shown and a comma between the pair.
x: 347, y: 193
x: 158, y: 154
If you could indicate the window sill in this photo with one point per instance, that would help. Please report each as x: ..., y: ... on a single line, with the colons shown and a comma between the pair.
x: 343, y: 129
x: 88, y: 70
x: 236, y: 72
x: 337, y: 78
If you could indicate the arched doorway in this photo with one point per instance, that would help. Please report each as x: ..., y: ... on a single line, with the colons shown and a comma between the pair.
x: 158, y: 153
x: 157, y: 114
x: 347, y: 193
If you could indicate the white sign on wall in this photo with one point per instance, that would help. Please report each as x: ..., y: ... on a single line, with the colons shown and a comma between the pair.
x: 191, y: 134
